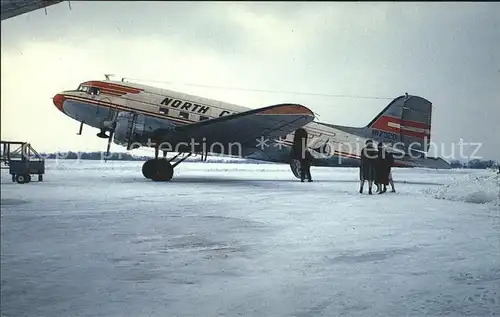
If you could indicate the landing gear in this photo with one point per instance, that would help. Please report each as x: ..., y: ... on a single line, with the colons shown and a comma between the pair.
x: 158, y: 170
x: 161, y: 170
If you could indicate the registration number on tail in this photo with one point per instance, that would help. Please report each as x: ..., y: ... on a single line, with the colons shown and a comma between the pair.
x: 385, y: 135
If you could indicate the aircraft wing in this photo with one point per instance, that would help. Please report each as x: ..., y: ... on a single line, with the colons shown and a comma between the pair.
x: 12, y: 8
x: 225, y: 134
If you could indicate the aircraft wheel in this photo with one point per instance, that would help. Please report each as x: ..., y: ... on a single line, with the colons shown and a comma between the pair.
x: 148, y: 168
x: 163, y: 171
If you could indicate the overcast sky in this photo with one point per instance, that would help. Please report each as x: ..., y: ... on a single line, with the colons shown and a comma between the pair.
x: 446, y: 52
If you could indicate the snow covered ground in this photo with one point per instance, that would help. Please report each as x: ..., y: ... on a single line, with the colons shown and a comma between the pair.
x: 97, y: 239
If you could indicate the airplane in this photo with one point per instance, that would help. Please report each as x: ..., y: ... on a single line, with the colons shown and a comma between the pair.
x: 136, y: 115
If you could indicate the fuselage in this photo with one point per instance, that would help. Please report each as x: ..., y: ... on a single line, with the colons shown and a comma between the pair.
x: 97, y: 103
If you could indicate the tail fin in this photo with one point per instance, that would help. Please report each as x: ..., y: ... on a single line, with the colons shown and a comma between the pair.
x: 407, y: 120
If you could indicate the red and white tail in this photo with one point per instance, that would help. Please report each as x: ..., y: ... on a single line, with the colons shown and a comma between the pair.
x: 406, y: 120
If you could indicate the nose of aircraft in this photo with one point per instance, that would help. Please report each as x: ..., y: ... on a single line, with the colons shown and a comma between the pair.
x: 58, y: 101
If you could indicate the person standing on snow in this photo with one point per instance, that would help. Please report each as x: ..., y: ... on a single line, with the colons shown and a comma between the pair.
x: 369, y: 157
x: 382, y: 170
x: 305, y: 166
x: 390, y: 163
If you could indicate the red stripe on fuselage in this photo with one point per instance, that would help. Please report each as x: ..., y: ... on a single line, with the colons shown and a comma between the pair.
x: 409, y: 123
x: 111, y: 87
x: 112, y: 93
x: 384, y: 124
x: 118, y: 107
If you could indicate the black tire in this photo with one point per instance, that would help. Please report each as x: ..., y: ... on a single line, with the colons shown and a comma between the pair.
x: 148, y: 168
x: 28, y: 178
x: 40, y: 178
x: 21, y: 179
x: 163, y: 171
x: 168, y: 172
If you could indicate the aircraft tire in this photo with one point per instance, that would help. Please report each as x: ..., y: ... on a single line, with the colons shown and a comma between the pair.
x: 148, y: 168
x: 163, y: 171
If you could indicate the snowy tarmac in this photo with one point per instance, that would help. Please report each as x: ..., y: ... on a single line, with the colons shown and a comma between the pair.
x: 97, y: 239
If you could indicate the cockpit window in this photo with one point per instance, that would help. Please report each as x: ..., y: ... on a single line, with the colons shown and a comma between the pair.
x: 83, y: 88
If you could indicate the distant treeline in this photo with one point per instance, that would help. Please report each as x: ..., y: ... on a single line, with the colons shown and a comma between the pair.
x: 121, y: 156
x: 475, y: 163
x: 97, y: 156
x: 93, y: 156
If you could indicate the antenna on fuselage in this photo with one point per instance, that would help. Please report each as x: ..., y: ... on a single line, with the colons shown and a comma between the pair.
x: 107, y: 76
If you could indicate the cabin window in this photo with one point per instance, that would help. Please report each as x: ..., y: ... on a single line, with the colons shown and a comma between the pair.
x: 164, y: 110
x: 204, y: 118
x: 184, y: 115
x: 94, y: 91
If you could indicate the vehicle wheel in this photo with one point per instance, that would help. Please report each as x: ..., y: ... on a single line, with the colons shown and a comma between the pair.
x: 28, y: 178
x: 13, y: 177
x: 40, y: 178
x: 21, y: 179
